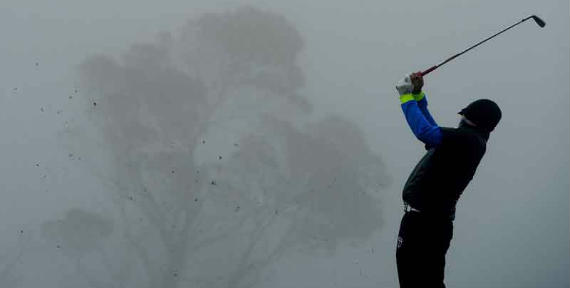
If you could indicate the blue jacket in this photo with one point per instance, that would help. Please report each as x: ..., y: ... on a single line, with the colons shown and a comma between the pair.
x: 419, y: 119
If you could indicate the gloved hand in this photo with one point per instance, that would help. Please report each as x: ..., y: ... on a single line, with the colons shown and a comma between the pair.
x: 417, y: 82
x: 405, y: 86
x: 411, y: 83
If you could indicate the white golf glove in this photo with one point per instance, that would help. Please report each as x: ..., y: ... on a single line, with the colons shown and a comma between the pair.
x: 405, y: 85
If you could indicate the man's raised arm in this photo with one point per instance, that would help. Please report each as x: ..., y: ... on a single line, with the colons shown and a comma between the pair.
x: 414, y: 106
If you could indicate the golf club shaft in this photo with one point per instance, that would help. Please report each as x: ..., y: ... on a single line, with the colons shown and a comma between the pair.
x: 466, y: 50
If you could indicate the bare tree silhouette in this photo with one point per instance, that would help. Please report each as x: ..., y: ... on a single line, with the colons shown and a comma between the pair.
x: 219, y: 223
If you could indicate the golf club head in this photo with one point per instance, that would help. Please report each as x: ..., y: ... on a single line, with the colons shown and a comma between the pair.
x: 538, y: 21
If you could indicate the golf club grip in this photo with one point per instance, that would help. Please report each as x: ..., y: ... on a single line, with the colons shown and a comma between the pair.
x: 424, y: 73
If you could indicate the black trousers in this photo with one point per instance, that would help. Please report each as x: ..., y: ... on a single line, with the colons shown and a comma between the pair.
x: 420, y: 254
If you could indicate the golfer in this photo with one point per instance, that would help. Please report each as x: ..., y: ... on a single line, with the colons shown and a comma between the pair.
x: 436, y: 183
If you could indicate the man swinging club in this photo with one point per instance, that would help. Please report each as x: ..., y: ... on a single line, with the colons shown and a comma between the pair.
x: 434, y: 186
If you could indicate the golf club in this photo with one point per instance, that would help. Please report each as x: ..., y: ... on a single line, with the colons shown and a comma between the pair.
x: 536, y: 19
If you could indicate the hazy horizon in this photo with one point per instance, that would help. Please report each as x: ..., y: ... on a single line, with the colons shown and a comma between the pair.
x: 261, y: 144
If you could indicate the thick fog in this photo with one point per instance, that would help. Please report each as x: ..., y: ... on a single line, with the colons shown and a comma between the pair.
x: 257, y: 144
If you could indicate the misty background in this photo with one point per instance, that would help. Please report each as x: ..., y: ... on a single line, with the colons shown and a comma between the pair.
x: 261, y: 144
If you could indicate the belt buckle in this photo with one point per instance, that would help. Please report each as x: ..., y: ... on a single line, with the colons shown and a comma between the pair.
x: 408, y: 208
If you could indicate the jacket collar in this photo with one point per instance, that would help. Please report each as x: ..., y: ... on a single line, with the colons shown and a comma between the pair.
x: 466, y: 127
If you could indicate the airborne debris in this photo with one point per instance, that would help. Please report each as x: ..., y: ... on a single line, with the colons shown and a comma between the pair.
x: 213, y: 182
x: 42, y: 109
x: 172, y: 171
x: 237, y: 208
x: 219, y: 157
x: 94, y: 103
x: 236, y: 144
x: 37, y: 64
x: 195, y: 199
x: 203, y: 141
x: 37, y: 164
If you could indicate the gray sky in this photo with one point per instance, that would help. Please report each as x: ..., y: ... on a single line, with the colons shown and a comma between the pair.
x: 512, y: 226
